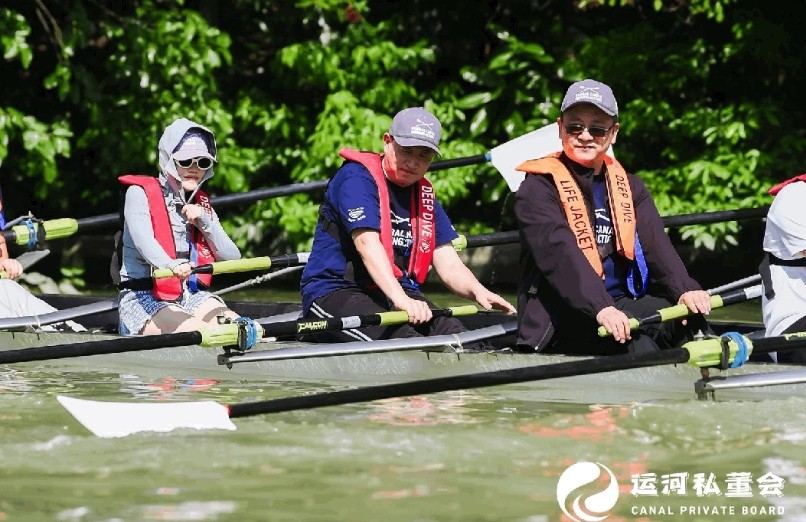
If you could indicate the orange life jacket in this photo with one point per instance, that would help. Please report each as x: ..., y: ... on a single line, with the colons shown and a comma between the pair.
x: 621, y: 206
x: 423, y: 205
x: 170, y: 288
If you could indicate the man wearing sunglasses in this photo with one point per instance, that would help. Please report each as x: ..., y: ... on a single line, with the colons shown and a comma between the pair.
x: 169, y: 223
x: 380, y: 230
x: 593, y: 244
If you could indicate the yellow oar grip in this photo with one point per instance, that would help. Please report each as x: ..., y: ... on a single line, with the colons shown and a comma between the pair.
x: 460, y: 243
x: 400, y: 317
x: 54, y: 229
x: 241, y: 265
x: 604, y: 333
x: 224, y: 267
x: 673, y: 312
x: 395, y: 317
x: 460, y: 311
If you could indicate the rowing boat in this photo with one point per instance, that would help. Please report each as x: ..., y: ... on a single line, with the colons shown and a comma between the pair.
x: 405, y: 360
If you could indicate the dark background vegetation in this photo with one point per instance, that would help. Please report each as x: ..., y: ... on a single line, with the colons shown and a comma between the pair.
x: 710, y: 93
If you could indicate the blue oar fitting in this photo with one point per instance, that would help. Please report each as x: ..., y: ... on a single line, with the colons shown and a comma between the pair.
x: 247, y: 333
x: 741, y: 354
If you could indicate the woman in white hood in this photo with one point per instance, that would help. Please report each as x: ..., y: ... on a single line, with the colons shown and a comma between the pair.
x: 169, y: 223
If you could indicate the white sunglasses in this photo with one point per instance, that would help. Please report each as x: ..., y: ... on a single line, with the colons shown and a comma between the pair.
x: 203, y: 162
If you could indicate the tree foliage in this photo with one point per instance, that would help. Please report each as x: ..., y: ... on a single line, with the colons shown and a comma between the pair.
x: 704, y: 87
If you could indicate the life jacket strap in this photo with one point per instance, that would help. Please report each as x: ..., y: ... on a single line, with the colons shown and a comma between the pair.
x: 766, y: 275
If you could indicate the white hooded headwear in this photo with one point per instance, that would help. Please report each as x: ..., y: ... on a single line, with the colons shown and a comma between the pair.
x: 172, y: 138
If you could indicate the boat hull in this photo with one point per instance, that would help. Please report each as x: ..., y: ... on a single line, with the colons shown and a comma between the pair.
x: 668, y: 382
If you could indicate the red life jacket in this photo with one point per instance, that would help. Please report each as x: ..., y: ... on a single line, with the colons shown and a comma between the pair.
x: 422, y: 208
x: 777, y: 188
x: 170, y: 288
x: 621, y: 206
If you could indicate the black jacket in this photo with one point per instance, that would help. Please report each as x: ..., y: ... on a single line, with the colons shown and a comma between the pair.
x: 556, y: 278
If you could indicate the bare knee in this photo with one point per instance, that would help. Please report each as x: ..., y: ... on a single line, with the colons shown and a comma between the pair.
x: 171, y: 319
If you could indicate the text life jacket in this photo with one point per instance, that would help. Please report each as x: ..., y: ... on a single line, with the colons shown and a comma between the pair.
x: 770, y: 259
x: 622, y: 211
x: 170, y: 288
x: 422, y: 207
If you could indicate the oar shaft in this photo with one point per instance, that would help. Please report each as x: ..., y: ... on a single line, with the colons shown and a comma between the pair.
x: 791, y: 341
x: 460, y: 382
x: 460, y: 162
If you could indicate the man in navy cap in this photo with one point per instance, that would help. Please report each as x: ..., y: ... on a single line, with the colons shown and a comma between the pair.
x: 380, y: 229
x: 593, y: 243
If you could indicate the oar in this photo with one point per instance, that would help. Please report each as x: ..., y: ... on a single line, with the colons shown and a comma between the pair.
x: 703, y: 218
x: 230, y: 334
x: 680, y: 310
x: 119, y: 419
x: 242, y: 265
x: 741, y: 283
x: 65, y: 227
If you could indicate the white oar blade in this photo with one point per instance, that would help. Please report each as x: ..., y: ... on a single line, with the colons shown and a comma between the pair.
x: 120, y: 419
x: 533, y: 145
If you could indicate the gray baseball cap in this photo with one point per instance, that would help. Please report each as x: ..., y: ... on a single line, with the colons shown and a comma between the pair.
x: 416, y: 127
x: 593, y: 92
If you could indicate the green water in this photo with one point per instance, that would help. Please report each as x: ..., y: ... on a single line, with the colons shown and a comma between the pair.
x: 489, y: 454
x: 469, y: 455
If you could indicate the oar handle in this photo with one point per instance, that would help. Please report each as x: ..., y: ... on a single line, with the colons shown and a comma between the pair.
x: 681, y: 310
x: 242, y: 265
x: 335, y: 324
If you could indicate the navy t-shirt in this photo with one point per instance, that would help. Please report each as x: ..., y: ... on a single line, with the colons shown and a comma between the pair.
x: 351, y: 202
x: 614, y: 265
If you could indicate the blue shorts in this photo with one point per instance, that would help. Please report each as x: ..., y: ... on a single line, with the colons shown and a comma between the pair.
x: 137, y: 307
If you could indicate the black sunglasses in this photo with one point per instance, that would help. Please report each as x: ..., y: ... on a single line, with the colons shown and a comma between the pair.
x: 577, y: 128
x: 202, y: 162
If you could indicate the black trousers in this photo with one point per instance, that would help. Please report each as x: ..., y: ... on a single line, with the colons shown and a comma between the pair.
x: 578, y: 335
x: 355, y: 301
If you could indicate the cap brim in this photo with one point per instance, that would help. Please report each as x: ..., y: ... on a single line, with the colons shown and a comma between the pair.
x: 190, y: 154
x: 587, y: 102
x: 414, y: 142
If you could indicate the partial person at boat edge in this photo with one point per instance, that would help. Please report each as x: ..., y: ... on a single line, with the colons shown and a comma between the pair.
x: 593, y: 246
x: 783, y: 270
x: 380, y: 230
x: 17, y: 301
x: 170, y: 223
